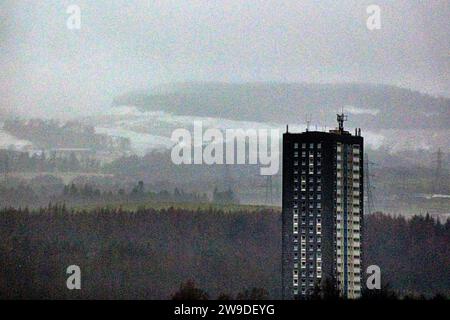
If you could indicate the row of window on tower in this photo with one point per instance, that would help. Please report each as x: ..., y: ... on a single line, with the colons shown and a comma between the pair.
x: 307, y: 252
x: 305, y: 145
x: 348, y: 210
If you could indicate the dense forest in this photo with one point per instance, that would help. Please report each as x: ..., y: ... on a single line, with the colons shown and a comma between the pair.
x: 148, y: 253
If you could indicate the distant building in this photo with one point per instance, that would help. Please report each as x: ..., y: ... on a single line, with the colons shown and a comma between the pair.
x: 322, y: 215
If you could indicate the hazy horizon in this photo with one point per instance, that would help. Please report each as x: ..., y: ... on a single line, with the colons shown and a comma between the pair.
x: 49, y: 70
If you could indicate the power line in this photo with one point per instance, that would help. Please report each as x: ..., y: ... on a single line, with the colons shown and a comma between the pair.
x: 370, y: 203
x: 437, y: 185
x: 269, y: 190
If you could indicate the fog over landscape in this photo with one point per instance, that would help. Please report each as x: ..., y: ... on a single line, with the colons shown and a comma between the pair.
x: 136, y: 71
x: 87, y: 172
x: 48, y: 70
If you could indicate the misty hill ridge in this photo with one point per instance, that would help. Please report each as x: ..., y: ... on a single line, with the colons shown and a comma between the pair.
x: 375, y: 106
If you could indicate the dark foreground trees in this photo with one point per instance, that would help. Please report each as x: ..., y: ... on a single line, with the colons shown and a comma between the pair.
x: 189, y: 291
x: 146, y: 254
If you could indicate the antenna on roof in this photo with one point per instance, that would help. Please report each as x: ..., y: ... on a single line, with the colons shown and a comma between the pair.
x: 340, y: 119
x: 308, y: 121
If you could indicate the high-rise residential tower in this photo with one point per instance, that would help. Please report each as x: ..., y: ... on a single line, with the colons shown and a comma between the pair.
x: 322, y: 214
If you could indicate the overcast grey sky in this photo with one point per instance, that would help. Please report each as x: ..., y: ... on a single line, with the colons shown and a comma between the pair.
x: 125, y: 45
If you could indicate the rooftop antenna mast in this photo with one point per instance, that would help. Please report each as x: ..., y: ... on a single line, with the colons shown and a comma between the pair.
x: 308, y: 121
x: 340, y: 119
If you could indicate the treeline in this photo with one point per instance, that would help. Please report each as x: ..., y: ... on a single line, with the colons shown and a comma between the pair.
x: 47, y: 189
x: 15, y: 161
x: 189, y: 291
x: 71, y: 134
x: 147, y: 253
x: 89, y: 194
x: 153, y: 168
